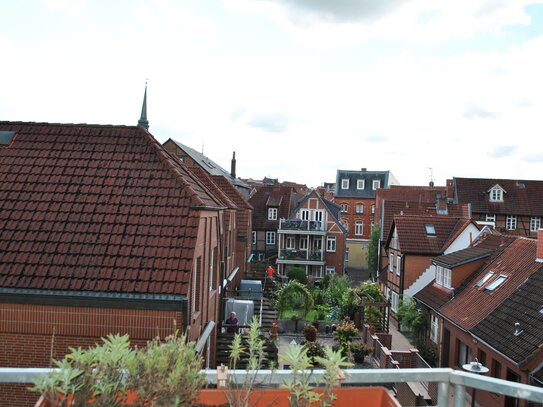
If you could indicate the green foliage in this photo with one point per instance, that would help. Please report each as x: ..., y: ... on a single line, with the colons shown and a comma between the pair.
x: 297, y: 274
x: 344, y: 334
x: 301, y: 393
x: 360, y: 350
x: 314, y: 350
x: 337, y: 296
x: 332, y: 361
x: 369, y: 291
x: 414, y: 316
x: 238, y: 394
x: 294, y: 296
x: 373, y: 251
x: 165, y: 374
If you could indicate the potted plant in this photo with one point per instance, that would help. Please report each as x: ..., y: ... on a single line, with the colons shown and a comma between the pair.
x: 344, y: 334
x: 310, y: 333
x: 165, y: 373
x: 360, y: 350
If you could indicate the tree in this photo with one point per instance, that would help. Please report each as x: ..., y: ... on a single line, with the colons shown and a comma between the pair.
x: 373, y: 251
x: 298, y: 274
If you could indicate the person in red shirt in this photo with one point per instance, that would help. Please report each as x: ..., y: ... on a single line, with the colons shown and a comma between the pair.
x: 269, y: 272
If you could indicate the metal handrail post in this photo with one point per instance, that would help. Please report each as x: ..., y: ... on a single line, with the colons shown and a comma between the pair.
x: 443, y: 389
x: 459, y: 395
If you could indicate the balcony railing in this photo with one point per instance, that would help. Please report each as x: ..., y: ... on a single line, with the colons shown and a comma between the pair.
x: 302, y: 255
x: 448, y: 380
x: 301, y: 225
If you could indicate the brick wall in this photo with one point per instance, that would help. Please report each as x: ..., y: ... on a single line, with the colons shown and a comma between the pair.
x: 31, y: 334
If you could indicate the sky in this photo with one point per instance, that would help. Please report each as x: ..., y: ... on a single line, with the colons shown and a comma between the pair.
x: 297, y: 88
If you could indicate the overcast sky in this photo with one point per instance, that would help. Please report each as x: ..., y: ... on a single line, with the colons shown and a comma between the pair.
x: 298, y: 88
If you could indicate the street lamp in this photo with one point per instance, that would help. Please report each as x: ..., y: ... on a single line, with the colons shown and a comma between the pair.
x: 477, y: 368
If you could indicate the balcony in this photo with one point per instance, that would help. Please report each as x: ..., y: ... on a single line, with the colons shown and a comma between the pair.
x: 300, y: 256
x: 298, y: 226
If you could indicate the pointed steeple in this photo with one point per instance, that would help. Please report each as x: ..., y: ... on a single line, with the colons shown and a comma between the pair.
x: 143, y: 122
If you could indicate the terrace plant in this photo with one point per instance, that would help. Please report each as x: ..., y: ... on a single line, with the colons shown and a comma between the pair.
x: 295, y: 298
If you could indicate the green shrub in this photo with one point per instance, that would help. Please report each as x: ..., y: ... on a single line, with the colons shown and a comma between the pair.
x: 314, y: 350
x: 360, y: 350
x: 297, y: 274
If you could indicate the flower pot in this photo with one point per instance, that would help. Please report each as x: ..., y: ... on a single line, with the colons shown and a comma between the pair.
x: 346, y: 397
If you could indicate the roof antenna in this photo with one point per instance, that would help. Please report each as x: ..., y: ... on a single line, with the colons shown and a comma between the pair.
x: 143, y: 122
x: 431, y: 177
x: 202, y: 148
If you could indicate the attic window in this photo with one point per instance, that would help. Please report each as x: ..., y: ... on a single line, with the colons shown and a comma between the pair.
x: 209, y: 164
x: 541, y: 310
x: 496, y: 194
x: 430, y: 229
x: 6, y: 137
x: 496, y: 283
x: 483, y: 280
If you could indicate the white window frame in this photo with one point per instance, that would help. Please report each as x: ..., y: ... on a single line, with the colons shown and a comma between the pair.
x: 254, y: 236
x: 290, y: 243
x: 434, y: 327
x: 272, y: 213
x: 359, y: 228
x: 511, y: 222
x: 360, y: 184
x: 345, y: 183
x: 359, y: 208
x: 376, y: 184
x: 330, y: 270
x: 394, y: 300
x: 270, y: 238
x: 490, y: 217
x: 318, y: 215
x: 398, y: 265
x: 305, y: 214
x: 535, y: 223
x: 373, y: 209
x: 303, y: 243
x: 496, y: 195
x: 330, y: 243
x: 391, y: 262
x: 211, y: 269
x: 316, y: 272
x: 344, y: 208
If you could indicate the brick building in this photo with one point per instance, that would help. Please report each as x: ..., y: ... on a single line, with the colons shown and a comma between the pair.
x: 355, y: 193
x: 312, y: 238
x: 485, y: 303
x: 514, y: 207
x: 101, y: 231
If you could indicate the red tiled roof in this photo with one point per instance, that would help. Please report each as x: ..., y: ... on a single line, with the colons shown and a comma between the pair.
x: 95, y: 208
x: 520, y: 197
x: 412, y: 236
x: 260, y: 201
x: 419, y: 194
x: 390, y: 208
x: 231, y: 192
x: 434, y: 295
x: 472, y: 304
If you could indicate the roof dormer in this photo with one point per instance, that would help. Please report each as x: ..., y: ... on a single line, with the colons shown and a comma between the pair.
x: 495, y: 194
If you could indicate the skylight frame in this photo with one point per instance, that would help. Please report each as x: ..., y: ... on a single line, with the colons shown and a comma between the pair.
x: 483, y: 280
x: 6, y: 137
x: 430, y: 229
x: 498, y: 281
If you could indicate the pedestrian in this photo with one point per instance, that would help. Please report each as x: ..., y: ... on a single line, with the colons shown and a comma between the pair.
x: 269, y: 272
x: 232, y: 323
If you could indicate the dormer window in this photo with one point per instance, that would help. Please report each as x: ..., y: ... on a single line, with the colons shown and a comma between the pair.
x: 360, y: 184
x: 496, y: 194
x: 272, y: 213
x: 496, y: 283
x: 443, y: 276
x: 376, y: 184
x: 345, y: 183
x: 430, y: 229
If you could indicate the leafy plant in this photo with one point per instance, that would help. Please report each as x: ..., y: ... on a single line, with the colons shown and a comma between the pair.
x: 332, y: 361
x: 344, y: 334
x: 310, y: 333
x: 167, y: 373
x: 294, y: 297
x: 373, y: 251
x: 164, y: 373
x: 297, y: 274
x: 314, y: 350
x: 239, y: 393
x: 360, y: 350
x: 301, y: 393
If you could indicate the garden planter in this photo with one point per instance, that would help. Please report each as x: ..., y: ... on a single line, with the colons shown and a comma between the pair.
x: 346, y: 397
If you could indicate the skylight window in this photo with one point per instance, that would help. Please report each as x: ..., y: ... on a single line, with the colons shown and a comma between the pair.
x: 430, y: 229
x: 483, y: 280
x: 496, y: 283
x: 6, y: 137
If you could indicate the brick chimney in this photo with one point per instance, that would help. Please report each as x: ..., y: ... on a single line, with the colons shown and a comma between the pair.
x: 363, y: 169
x: 233, y: 166
x: 539, y: 255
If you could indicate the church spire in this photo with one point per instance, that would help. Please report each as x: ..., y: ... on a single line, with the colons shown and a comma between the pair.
x: 143, y: 122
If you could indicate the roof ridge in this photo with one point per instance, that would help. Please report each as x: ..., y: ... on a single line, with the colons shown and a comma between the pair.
x: 124, y: 126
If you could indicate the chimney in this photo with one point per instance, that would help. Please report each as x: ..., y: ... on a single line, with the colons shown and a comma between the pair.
x: 233, y: 166
x: 363, y: 169
x: 431, y: 184
x: 539, y: 255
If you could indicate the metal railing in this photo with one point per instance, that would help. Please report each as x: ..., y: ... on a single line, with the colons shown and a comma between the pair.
x: 303, y: 255
x: 447, y: 379
x: 301, y: 225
